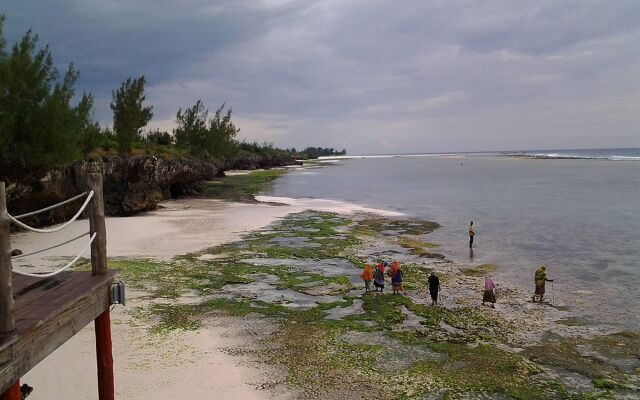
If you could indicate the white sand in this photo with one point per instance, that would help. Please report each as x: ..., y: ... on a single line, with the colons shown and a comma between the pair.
x: 185, y: 365
x: 182, y: 365
x: 180, y: 227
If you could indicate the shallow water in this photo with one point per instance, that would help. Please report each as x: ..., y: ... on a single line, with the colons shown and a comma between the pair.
x: 579, y: 217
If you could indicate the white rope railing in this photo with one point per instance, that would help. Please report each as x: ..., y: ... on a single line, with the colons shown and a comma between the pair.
x: 51, y: 207
x: 50, y: 274
x: 30, y: 228
x: 49, y: 248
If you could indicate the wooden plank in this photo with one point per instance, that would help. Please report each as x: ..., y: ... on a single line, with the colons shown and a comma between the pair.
x: 30, y: 293
x: 51, y: 321
x: 6, y: 293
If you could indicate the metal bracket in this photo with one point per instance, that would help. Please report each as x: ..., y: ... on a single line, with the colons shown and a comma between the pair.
x: 117, y: 293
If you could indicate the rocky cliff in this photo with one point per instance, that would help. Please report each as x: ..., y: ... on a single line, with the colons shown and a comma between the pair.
x: 131, y: 184
x: 250, y: 161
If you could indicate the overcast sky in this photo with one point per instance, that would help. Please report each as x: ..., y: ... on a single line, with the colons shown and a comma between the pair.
x: 370, y: 76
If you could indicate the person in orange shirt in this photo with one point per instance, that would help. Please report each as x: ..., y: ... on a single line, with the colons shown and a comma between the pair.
x: 367, y: 276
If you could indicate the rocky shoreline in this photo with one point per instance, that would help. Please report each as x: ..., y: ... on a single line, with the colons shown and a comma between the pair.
x: 292, y: 297
x: 334, y: 341
x: 132, y: 184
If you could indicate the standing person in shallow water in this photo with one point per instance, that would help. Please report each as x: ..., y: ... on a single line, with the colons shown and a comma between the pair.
x: 434, y: 288
x: 367, y: 276
x: 540, y: 281
x: 489, y: 292
x: 472, y: 233
x: 378, y: 279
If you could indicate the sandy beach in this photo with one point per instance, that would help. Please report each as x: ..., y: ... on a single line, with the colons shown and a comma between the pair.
x: 181, y: 365
x: 264, y: 300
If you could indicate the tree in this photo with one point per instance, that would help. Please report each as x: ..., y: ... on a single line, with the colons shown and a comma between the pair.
x: 222, y: 133
x: 159, y: 137
x: 129, y: 114
x: 191, y: 129
x: 204, y: 136
x: 38, y: 124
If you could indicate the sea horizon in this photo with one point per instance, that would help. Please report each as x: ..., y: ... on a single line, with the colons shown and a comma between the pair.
x: 621, y: 153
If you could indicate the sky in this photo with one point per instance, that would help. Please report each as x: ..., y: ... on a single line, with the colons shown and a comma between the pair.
x: 374, y: 77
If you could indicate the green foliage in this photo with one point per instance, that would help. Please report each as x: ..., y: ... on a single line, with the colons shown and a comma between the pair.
x: 158, y: 137
x: 204, y: 136
x: 241, y: 187
x: 315, y: 152
x: 129, y: 114
x: 41, y: 125
x: 38, y: 124
x: 191, y: 127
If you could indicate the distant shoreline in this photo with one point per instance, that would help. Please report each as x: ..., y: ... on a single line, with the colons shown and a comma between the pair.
x: 626, y: 154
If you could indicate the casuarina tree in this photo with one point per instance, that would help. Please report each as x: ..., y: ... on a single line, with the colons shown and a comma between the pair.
x: 129, y: 113
x: 38, y: 124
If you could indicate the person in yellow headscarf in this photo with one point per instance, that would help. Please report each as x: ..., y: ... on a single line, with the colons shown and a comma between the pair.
x: 367, y: 276
x: 540, y: 280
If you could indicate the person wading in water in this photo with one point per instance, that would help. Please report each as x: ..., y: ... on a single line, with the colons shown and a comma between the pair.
x: 540, y: 280
x: 472, y: 233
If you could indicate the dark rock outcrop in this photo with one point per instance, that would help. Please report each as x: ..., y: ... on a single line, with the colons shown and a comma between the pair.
x: 251, y: 161
x: 131, y: 184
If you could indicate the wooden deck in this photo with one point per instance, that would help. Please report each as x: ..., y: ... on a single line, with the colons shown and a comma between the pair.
x: 47, y: 313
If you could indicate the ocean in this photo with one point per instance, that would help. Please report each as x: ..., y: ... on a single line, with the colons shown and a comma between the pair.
x: 579, y: 215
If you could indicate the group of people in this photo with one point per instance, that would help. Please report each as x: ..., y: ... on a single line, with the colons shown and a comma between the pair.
x: 396, y: 274
x: 394, y: 271
x: 540, y: 278
x: 377, y: 276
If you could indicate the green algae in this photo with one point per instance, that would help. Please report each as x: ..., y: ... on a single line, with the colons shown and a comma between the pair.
x: 372, y: 225
x: 608, y: 360
x: 309, y: 345
x: 242, y: 187
x: 419, y: 247
x: 480, y: 270
x: 571, y: 321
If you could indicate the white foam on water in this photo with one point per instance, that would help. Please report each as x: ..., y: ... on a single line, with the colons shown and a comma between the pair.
x: 336, y: 158
x: 625, y: 158
x: 561, y: 155
x: 337, y: 206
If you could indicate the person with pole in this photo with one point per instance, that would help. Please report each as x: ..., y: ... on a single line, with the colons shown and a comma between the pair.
x: 540, y: 281
x: 472, y: 233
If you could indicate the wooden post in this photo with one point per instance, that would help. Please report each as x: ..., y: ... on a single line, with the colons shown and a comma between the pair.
x: 97, y: 224
x: 99, y: 266
x: 13, y: 393
x: 105, y: 357
x: 7, y: 323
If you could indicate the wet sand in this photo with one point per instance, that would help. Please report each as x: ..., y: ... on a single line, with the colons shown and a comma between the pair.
x: 185, y: 365
x: 188, y: 365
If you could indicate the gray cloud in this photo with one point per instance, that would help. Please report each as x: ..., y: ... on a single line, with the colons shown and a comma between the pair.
x: 372, y: 76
